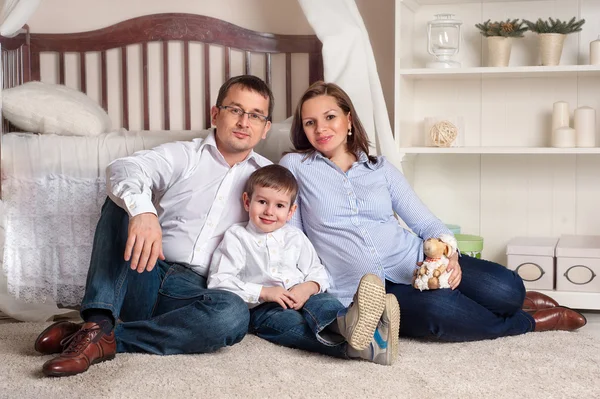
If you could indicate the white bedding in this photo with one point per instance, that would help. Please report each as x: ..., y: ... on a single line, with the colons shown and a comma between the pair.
x: 53, y: 188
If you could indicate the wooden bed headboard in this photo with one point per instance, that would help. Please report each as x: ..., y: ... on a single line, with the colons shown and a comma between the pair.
x: 73, y: 57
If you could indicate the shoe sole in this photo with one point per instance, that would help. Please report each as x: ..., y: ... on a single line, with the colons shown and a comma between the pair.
x: 51, y: 373
x: 392, y: 313
x: 371, y: 303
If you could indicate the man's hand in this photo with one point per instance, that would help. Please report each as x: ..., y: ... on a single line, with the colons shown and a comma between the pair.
x: 304, y: 291
x: 144, y: 243
x: 456, y: 271
x: 279, y: 295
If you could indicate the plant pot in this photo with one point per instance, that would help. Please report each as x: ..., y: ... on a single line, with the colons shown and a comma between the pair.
x: 551, y: 46
x: 499, y: 51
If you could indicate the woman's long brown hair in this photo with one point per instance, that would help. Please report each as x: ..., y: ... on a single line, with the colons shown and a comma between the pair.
x: 357, y: 142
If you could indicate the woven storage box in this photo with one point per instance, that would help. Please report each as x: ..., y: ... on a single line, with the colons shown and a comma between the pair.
x: 533, y: 259
x: 578, y: 263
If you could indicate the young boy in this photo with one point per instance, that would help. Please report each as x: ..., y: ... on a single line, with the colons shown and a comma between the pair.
x: 275, y: 269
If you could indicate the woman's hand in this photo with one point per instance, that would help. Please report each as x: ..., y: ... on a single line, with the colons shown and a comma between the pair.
x: 455, y: 271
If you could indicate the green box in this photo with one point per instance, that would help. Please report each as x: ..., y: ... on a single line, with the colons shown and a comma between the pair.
x: 471, y: 245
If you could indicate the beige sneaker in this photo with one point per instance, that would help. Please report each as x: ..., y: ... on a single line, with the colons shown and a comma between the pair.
x: 383, y: 348
x: 360, y: 321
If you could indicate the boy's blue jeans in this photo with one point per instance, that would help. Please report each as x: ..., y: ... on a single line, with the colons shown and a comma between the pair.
x: 165, y: 311
x: 301, y: 329
x: 487, y: 304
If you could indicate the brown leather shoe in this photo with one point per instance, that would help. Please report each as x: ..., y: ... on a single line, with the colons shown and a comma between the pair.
x: 89, y: 345
x: 558, y: 318
x: 49, y: 341
x: 536, y: 300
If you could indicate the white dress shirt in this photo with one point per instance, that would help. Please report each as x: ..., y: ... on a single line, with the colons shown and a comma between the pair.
x: 249, y: 259
x: 191, y: 188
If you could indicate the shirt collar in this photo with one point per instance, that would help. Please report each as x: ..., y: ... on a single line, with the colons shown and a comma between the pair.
x: 260, y: 237
x: 362, y: 158
x: 210, y: 140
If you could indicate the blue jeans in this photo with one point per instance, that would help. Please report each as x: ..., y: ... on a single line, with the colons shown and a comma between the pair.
x: 166, y: 311
x: 304, y: 329
x: 487, y: 304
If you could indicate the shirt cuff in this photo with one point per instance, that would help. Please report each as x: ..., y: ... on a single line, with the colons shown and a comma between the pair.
x: 252, y: 292
x: 137, y: 204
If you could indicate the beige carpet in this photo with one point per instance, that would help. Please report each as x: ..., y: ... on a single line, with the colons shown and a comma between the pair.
x: 536, y: 365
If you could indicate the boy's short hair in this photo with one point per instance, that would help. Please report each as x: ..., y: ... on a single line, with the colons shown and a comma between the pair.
x: 273, y: 176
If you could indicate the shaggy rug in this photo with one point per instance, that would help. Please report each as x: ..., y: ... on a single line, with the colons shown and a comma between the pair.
x: 535, y: 365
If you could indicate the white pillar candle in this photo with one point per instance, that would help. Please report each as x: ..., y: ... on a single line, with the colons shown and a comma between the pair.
x: 585, y: 126
x: 560, y: 115
x: 564, y: 137
x: 595, y: 51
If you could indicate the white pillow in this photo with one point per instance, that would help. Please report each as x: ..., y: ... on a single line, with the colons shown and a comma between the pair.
x: 47, y: 108
x: 277, y: 142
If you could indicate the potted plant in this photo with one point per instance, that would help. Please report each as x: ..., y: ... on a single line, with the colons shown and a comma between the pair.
x: 499, y: 36
x: 552, y: 34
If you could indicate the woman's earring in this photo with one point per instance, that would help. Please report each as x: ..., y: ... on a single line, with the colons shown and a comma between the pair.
x: 349, y: 132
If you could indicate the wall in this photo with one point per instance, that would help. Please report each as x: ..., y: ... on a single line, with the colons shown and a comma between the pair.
x: 276, y: 16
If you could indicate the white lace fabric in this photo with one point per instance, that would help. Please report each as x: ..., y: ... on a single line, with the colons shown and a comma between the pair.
x: 49, y: 230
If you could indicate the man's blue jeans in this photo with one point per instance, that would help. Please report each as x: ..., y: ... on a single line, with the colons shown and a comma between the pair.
x: 304, y: 329
x: 166, y: 311
x: 487, y: 304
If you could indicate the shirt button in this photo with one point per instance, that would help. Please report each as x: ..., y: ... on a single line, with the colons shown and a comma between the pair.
x: 220, y: 198
x: 287, y: 280
x: 273, y: 270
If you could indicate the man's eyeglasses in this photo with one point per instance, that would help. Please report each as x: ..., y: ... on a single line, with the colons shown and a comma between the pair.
x: 253, y: 117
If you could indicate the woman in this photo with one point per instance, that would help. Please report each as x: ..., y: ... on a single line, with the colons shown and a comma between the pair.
x: 346, y: 206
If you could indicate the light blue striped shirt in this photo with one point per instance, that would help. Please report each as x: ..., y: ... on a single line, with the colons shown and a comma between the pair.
x: 349, y: 218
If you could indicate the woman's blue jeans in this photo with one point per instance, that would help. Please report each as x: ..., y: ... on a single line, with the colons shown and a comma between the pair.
x: 165, y: 311
x: 487, y: 304
x: 304, y: 329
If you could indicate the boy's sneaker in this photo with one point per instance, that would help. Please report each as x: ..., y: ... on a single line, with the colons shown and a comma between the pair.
x: 383, y: 348
x: 362, y: 316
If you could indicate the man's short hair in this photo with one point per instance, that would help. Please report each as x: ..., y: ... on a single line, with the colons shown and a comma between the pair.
x: 248, y: 82
x: 276, y: 177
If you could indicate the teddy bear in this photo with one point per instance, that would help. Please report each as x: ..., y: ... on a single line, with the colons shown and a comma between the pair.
x: 432, y: 274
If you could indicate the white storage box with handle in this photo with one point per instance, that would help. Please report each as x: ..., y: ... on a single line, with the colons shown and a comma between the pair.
x: 578, y: 263
x: 533, y: 259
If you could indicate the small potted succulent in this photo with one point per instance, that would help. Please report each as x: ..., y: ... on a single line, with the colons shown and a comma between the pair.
x: 552, y: 34
x: 499, y: 36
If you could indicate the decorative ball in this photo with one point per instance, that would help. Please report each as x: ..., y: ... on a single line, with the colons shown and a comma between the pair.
x: 443, y: 134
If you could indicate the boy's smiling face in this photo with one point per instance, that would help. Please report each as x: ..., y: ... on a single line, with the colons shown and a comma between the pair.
x: 269, y: 209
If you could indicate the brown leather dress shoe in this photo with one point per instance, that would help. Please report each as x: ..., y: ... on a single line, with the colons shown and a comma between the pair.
x: 89, y: 345
x: 49, y: 341
x: 558, y: 318
x: 536, y: 300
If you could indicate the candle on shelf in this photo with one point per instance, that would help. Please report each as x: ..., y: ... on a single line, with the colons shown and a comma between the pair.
x: 560, y: 116
x: 564, y: 137
x: 585, y: 126
x: 595, y: 51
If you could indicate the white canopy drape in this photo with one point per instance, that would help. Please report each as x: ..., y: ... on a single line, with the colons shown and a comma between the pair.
x: 349, y: 62
x: 13, y: 15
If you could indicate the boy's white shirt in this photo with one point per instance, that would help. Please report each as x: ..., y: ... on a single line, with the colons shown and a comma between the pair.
x: 248, y: 259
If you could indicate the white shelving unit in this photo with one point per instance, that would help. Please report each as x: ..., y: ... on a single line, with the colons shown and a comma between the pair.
x: 506, y: 180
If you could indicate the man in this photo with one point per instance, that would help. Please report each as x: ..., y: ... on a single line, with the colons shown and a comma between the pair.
x: 167, y: 211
